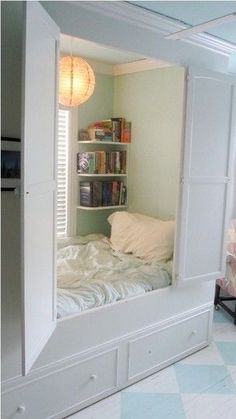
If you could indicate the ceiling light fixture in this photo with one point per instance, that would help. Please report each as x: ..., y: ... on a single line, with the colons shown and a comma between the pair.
x: 202, y: 27
x: 76, y: 81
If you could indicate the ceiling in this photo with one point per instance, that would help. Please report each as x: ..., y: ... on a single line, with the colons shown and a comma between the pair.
x: 188, y: 12
x: 97, y: 52
x: 196, y: 12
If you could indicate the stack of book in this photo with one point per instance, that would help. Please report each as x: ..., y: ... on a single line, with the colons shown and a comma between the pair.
x: 102, y: 194
x: 113, y: 129
x: 101, y: 162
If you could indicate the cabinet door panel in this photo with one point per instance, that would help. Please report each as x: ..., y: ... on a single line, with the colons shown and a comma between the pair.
x: 205, y: 182
x: 205, y: 228
x: 39, y: 180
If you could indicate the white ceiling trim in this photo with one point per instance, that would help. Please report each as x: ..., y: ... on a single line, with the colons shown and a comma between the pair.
x: 202, y: 27
x: 97, y: 66
x: 153, y: 21
x: 127, y: 68
x: 140, y: 65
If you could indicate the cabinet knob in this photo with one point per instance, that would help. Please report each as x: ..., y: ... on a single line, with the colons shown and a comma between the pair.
x: 21, y: 409
x: 194, y: 332
x: 93, y: 377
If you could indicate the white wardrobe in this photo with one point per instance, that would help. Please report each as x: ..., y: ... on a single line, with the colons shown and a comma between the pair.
x: 71, y: 363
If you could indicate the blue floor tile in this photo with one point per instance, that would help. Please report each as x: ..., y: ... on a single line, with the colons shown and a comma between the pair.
x: 209, y: 379
x: 221, y: 316
x: 228, y: 352
x: 151, y: 406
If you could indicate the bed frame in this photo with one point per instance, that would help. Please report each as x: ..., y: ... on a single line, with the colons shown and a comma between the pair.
x: 220, y: 301
x: 97, y: 353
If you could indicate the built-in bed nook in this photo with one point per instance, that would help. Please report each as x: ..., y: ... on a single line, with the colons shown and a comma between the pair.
x: 91, y: 272
x: 127, y: 251
x: 128, y: 287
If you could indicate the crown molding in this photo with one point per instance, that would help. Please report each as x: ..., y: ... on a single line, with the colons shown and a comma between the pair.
x: 137, y: 66
x: 152, y: 21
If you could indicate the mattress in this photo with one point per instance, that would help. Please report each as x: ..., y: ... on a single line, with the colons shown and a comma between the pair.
x: 91, y: 274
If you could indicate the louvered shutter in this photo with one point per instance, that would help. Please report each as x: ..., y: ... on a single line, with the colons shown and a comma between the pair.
x: 62, y: 172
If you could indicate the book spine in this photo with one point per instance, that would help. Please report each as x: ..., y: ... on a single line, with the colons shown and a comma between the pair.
x: 118, y: 124
x: 83, y: 162
x: 126, y: 138
x: 103, y: 162
x: 123, y: 159
x: 86, y: 194
x: 115, y: 193
x: 92, y: 167
x: 97, y: 194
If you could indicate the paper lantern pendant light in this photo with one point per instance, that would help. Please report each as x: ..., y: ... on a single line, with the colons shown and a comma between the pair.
x: 77, y: 81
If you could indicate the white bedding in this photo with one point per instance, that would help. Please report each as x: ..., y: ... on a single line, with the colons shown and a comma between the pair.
x: 90, y: 274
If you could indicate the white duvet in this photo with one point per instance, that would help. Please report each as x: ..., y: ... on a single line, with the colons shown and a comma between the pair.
x: 91, y: 274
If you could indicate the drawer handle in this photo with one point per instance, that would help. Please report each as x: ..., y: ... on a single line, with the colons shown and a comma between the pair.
x: 194, y: 332
x: 93, y: 377
x: 21, y: 409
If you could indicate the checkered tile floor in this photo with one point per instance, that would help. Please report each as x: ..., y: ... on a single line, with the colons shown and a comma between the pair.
x: 202, y: 386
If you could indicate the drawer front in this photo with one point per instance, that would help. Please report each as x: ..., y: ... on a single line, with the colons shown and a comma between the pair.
x: 59, y: 391
x: 147, y: 352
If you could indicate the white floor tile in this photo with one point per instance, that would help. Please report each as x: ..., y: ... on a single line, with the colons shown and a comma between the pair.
x: 162, y: 382
x: 209, y: 356
x: 232, y: 370
x: 224, y: 332
x: 209, y: 406
x: 108, y: 408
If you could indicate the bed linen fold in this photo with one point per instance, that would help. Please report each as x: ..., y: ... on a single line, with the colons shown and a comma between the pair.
x: 91, y: 274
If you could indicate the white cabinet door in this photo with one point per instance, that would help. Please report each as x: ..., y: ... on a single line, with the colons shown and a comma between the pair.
x: 38, y: 179
x: 205, y: 182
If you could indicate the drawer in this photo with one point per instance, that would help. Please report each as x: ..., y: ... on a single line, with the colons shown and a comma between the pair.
x: 51, y: 395
x: 147, y: 352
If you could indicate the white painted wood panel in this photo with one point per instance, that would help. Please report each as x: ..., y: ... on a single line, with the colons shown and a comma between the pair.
x: 205, y: 182
x: 39, y: 180
x: 147, y: 352
x: 71, y: 384
x: 52, y: 395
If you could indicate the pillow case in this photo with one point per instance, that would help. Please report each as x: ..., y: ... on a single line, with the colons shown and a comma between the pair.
x: 146, y: 237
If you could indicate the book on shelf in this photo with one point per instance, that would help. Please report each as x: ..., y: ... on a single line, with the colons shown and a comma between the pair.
x: 83, y: 135
x: 123, y: 161
x: 115, y: 192
x: 106, y: 194
x: 86, y: 162
x: 102, y: 193
x: 86, y: 194
x: 126, y: 138
x: 101, y: 130
x: 122, y: 195
x: 97, y: 194
x: 101, y: 162
x: 115, y: 129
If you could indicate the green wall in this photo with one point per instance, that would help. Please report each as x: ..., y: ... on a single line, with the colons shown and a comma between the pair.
x: 100, y: 105
x: 153, y: 101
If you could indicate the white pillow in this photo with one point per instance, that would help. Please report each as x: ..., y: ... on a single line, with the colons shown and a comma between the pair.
x: 146, y: 237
